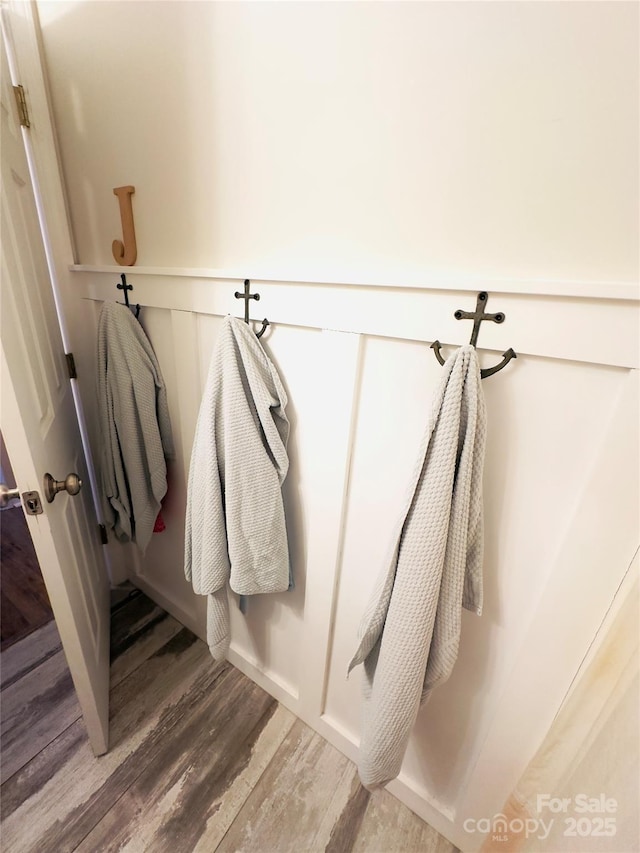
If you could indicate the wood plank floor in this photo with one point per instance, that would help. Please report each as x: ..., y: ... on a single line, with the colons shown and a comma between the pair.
x: 200, y: 759
x: 24, y: 603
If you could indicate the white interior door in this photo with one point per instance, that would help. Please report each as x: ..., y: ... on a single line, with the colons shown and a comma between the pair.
x: 40, y: 428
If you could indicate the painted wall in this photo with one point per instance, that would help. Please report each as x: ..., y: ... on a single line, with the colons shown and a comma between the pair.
x: 373, y: 139
x: 412, y: 145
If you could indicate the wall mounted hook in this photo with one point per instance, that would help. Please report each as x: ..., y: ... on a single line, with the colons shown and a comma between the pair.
x: 478, y: 316
x: 247, y: 296
x: 125, y: 251
x: 126, y: 287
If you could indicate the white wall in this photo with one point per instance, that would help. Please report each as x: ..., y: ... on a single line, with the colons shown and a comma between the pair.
x: 411, y: 144
x: 378, y: 139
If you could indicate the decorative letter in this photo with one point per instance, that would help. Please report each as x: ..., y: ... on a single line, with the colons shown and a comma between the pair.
x: 125, y: 252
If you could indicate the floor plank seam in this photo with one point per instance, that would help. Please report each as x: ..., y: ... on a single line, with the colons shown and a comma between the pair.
x: 132, y: 639
x: 249, y: 791
x: 166, y: 734
x: 103, y: 816
x: 21, y: 674
x: 46, y: 746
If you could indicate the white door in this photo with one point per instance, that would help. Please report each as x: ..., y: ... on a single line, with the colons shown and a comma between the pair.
x: 40, y: 428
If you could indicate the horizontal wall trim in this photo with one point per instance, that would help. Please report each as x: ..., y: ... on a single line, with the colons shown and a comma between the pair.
x: 532, y: 287
x: 590, y: 330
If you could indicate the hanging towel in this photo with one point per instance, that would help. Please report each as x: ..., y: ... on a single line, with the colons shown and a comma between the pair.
x: 135, y: 425
x: 411, y: 628
x: 235, y: 526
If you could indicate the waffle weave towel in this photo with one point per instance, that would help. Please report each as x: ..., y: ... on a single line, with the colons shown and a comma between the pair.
x: 235, y: 526
x: 410, y: 631
x: 135, y: 425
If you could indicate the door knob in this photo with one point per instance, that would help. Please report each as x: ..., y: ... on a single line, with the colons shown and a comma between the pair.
x: 72, y: 484
x: 7, y: 495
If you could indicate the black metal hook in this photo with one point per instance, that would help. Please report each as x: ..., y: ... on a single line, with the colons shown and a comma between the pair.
x: 478, y: 316
x: 126, y: 287
x: 247, y: 296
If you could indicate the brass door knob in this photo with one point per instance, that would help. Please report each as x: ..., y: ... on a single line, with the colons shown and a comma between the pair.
x: 7, y: 495
x: 71, y: 484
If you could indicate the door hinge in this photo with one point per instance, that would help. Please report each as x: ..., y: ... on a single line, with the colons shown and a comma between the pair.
x: 71, y: 365
x: 104, y: 539
x: 21, y: 101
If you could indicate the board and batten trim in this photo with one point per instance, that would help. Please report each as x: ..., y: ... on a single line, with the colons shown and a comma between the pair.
x: 326, y: 513
x: 591, y: 564
x: 537, y: 325
x: 185, y: 346
x: 531, y: 287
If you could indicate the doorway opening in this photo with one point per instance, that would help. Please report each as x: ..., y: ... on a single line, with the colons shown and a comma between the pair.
x: 24, y: 603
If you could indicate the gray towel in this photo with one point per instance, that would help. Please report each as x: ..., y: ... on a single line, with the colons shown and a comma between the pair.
x: 235, y: 526
x: 135, y: 426
x: 410, y: 631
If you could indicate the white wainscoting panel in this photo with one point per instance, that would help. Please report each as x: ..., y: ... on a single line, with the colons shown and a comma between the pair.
x: 559, y: 497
